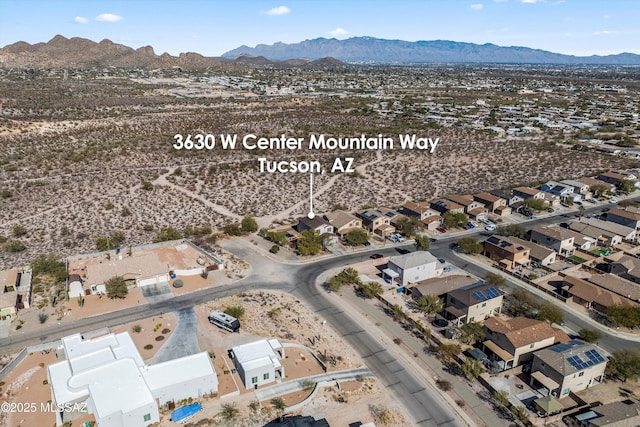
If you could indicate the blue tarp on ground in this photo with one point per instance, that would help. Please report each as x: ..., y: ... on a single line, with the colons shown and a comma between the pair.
x: 185, y: 412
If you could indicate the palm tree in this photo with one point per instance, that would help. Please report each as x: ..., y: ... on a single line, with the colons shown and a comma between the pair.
x: 581, y: 210
x: 278, y: 405
x: 397, y: 311
x: 430, y: 304
x: 472, y: 368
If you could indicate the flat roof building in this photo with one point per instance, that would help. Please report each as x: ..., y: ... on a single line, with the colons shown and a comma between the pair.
x: 258, y: 362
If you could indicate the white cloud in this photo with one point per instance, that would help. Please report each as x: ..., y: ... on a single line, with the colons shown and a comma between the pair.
x: 277, y: 11
x: 605, y: 32
x: 477, y: 6
x: 80, y: 20
x: 339, y: 32
x: 500, y: 1
x: 605, y: 16
x: 108, y: 17
x: 531, y: 1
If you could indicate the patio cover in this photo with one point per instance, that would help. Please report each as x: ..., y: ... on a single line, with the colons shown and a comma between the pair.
x: 549, y: 404
x: 502, y: 354
x: 477, y: 354
x: 545, y: 380
x: 390, y: 273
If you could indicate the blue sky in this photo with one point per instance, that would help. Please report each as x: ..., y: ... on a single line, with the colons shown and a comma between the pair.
x: 212, y: 27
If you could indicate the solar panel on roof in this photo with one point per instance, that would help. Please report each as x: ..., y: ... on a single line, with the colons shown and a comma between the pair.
x: 559, y: 348
x: 480, y: 296
x: 492, y: 293
x: 494, y: 240
x: 390, y: 214
x: 594, y: 356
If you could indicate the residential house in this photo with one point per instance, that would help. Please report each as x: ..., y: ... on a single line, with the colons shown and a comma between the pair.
x: 473, y: 303
x: 376, y: 221
x: 538, y: 254
x: 599, y: 236
x: 317, y: 223
x: 555, y: 238
x: 589, y: 295
x: 579, y: 188
x: 513, y: 341
x: 494, y: 204
x: 440, y: 285
x: 616, y: 284
x: 563, y: 191
x: 120, y: 390
x: 627, y: 267
x: 568, y: 367
x: 412, y: 267
x: 628, y: 218
x: 417, y: 209
x: 393, y: 215
x: 443, y: 206
x: 526, y: 193
x: 258, y: 362
x: 613, y: 178
x: 8, y: 294
x: 432, y: 222
x: 505, y: 251
x: 625, y: 413
x: 471, y: 206
x: 343, y: 222
x: 580, y: 241
x: 75, y: 286
x: 508, y: 195
x: 627, y: 233
x: 592, y: 182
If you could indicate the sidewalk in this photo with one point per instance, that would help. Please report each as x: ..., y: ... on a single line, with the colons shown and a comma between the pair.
x: 296, y: 385
x: 566, y: 307
x: 385, y: 329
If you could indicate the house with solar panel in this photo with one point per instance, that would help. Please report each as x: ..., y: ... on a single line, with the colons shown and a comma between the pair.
x: 568, y: 367
x: 473, y: 303
x: 506, y: 252
x: 377, y: 221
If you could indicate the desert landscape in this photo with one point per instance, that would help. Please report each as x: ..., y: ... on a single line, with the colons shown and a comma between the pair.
x: 88, y: 153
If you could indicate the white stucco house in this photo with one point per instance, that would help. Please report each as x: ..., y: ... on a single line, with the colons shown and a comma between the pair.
x: 258, y: 362
x: 412, y: 267
x: 107, y: 377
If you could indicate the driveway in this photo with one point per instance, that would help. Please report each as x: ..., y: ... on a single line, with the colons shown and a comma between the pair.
x: 156, y: 292
x: 184, y: 339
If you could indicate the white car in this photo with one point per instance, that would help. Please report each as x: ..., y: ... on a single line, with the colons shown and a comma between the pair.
x: 613, y: 200
x: 490, y: 227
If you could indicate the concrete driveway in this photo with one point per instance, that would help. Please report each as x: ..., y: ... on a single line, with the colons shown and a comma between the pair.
x: 156, y: 292
x: 184, y: 339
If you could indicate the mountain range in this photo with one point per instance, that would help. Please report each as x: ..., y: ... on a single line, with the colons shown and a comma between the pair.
x: 369, y: 49
x: 79, y: 52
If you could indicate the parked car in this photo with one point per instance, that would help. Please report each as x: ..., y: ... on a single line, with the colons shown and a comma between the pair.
x: 592, y: 200
x: 376, y: 256
x: 442, y: 230
x: 613, y: 200
x: 441, y: 260
x: 491, y: 227
x: 446, y: 269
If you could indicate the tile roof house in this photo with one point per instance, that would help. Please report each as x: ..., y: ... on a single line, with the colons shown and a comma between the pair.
x: 617, y: 285
x: 568, y: 367
x: 627, y: 233
x: 616, y: 414
x: 413, y: 267
x: 578, y: 187
x: 514, y: 340
x: 627, y: 218
x: 343, y: 222
x: 443, y: 206
x: 599, y: 236
x: 508, y: 195
x: 417, y: 209
x: 440, y: 285
x: 505, y: 251
x: 528, y: 193
x: 592, y: 182
x: 555, y: 238
x: 589, y: 295
x: 473, y: 303
x: 469, y: 203
x: 377, y: 221
x: 493, y: 203
x: 318, y: 224
x: 626, y: 266
x: 537, y: 253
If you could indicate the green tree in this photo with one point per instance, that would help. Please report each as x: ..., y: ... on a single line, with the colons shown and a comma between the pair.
x: 626, y: 316
x: 371, y: 289
x: 116, y: 287
x: 49, y: 264
x: 472, y: 368
x: 232, y: 229
x: 278, y: 404
x: 501, y: 397
x: 249, y: 224
x: 357, y: 236
x: 448, y: 352
x: 521, y: 303
x: 470, y: 245
x: 496, y: 279
x: 166, y: 234
x: 516, y: 230
x: 236, y: 311
x: 348, y: 276
x: 625, y: 365
x: 408, y: 225
x: 14, y: 245
x: 274, y: 249
x: 520, y: 413
x: 397, y: 312
x: 309, y: 242
x: 626, y: 186
x: 535, y: 204
x: 451, y: 220
x: 598, y: 190
x: 472, y: 332
x: 590, y: 335
x: 550, y: 312
x: 423, y: 243
x: 430, y: 304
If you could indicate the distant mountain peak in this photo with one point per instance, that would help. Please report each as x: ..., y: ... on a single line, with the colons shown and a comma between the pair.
x: 371, y: 49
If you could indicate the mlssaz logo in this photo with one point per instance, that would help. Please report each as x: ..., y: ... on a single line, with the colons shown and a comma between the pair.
x: 64, y: 407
